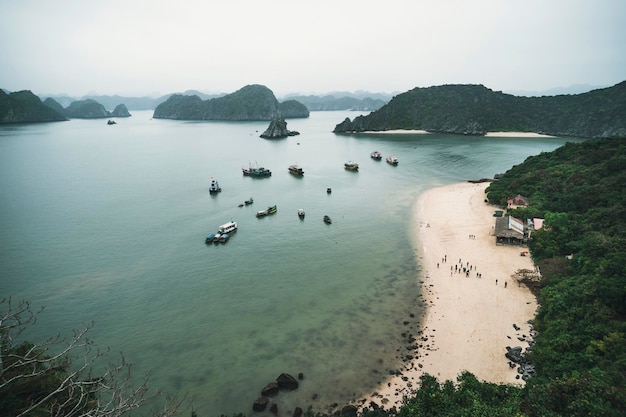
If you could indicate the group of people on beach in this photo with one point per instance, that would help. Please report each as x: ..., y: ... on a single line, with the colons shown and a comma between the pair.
x: 459, y: 268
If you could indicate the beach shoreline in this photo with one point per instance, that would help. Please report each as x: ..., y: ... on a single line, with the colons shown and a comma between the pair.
x: 488, y: 134
x: 474, y: 308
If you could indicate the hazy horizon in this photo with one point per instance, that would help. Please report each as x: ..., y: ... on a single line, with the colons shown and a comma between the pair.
x: 154, y: 48
x: 557, y: 90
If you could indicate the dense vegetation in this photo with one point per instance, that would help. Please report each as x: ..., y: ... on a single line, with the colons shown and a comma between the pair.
x: 476, y: 110
x: 580, y: 351
x: 252, y: 102
x: 25, y: 107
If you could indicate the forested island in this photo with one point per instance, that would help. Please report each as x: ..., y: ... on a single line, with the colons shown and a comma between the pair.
x: 26, y: 107
x: 252, y: 102
x: 477, y: 110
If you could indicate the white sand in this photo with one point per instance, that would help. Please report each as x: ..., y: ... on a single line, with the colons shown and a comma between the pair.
x: 489, y: 134
x: 518, y: 135
x: 398, y: 131
x: 469, y: 320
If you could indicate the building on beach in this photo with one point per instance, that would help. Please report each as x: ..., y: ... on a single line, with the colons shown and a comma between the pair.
x: 509, y: 231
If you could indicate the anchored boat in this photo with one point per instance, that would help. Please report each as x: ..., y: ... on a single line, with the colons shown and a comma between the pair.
x: 295, y: 170
x: 269, y: 210
x: 214, y: 187
x: 351, y: 166
x: 258, y: 172
x: 392, y: 160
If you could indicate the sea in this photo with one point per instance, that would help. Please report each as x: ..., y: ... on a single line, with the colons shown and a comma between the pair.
x: 106, y: 224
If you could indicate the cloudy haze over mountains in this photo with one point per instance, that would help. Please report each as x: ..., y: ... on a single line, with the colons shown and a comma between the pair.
x: 156, y: 47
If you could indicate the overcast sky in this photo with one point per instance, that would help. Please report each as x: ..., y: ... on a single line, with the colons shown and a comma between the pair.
x: 152, y: 47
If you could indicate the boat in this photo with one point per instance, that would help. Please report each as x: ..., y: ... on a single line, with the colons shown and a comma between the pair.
x: 258, y: 172
x: 214, y: 187
x: 327, y: 220
x: 269, y: 210
x: 329, y: 190
x: 376, y: 155
x: 392, y: 160
x: 248, y: 202
x: 295, y: 170
x: 351, y: 166
x: 301, y: 213
x: 210, y: 237
x: 111, y: 122
x: 224, y: 238
x: 217, y: 237
x: 229, y: 227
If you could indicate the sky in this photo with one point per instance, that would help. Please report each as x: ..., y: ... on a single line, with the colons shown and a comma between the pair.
x: 156, y: 47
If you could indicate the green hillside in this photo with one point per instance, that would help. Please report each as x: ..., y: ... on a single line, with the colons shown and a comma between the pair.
x: 476, y: 110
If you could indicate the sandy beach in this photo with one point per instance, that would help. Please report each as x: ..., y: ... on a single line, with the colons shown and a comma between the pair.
x: 488, y: 134
x: 470, y: 316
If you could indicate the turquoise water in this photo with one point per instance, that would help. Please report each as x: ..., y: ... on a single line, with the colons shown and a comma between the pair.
x: 107, y: 223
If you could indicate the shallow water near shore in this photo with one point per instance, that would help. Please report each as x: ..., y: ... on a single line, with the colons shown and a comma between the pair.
x: 107, y: 223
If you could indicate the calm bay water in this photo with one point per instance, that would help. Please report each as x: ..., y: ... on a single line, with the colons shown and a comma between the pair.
x: 107, y: 223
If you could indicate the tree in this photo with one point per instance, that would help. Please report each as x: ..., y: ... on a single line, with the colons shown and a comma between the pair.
x: 55, y: 378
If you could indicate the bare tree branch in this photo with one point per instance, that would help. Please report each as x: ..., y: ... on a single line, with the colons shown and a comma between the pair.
x: 55, y: 377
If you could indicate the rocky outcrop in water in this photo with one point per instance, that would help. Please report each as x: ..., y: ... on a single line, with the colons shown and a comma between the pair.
x: 284, y: 382
x: 120, y: 111
x: 278, y: 129
x: 252, y: 102
x: 91, y: 109
x: 86, y: 109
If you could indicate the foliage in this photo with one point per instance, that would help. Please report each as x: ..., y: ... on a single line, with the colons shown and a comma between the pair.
x: 25, y: 107
x: 55, y: 377
x: 580, y: 350
x: 475, y: 110
x: 468, y: 397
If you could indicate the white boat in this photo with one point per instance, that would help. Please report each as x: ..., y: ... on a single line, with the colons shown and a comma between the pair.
x: 214, y: 187
x: 376, y: 155
x: 392, y: 160
x: 301, y: 213
x: 227, y: 227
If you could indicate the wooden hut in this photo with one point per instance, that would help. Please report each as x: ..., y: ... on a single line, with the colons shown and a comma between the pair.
x: 509, y: 231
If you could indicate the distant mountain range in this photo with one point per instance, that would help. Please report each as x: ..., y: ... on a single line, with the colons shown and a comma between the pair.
x: 476, y: 110
x: 361, y: 101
